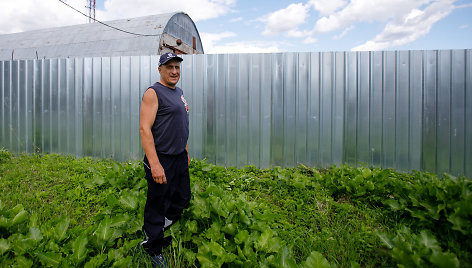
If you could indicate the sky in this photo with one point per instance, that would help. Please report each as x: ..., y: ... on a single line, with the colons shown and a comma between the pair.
x: 269, y: 26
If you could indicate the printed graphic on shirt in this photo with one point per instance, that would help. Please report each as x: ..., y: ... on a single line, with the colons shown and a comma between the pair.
x: 185, y: 102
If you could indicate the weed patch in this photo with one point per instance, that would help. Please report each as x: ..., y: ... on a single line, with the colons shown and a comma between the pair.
x: 64, y: 211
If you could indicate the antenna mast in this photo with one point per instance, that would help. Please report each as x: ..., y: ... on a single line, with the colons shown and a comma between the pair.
x: 90, y: 5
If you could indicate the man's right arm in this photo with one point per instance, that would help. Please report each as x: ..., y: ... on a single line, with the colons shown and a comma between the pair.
x: 148, y: 112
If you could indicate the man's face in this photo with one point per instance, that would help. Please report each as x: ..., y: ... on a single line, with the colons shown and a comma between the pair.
x: 170, y: 73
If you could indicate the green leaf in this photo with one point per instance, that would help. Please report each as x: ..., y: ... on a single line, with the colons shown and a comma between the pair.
x: 243, y: 217
x: 134, y: 225
x: 355, y: 264
x: 19, y: 217
x: 200, y: 208
x: 35, y: 234
x: 19, y: 244
x: 216, y: 249
x: 104, y: 232
x: 241, y: 254
x: 114, y: 255
x: 123, y: 262
x: 191, y: 226
x: 3, y: 222
x: 98, y: 180
x: 207, y: 168
x: 96, y: 261
x: 229, y: 228
x: 267, y: 242
x: 189, y: 256
x: 384, y: 238
x: 393, y: 204
x: 444, y: 260
x: 459, y: 223
x: 429, y: 241
x: 285, y: 260
x: 60, y: 231
x: 49, y: 258
x: 128, y: 201
x: 316, y: 260
x: 214, y: 232
x: 34, y: 220
x: 248, y: 251
x: 211, y: 254
x: 112, y: 201
x: 218, y: 206
x: 52, y: 246
x: 241, y: 237
x: 79, y: 248
x: 120, y: 220
x: 22, y: 262
x: 4, y: 246
x: 205, y: 261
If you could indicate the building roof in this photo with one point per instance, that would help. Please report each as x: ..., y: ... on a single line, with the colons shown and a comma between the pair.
x: 98, y: 40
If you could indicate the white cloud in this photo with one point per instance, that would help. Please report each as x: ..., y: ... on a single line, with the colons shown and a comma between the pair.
x: 209, y: 40
x: 367, y: 11
x: 196, y: 9
x: 25, y: 15
x: 285, y: 20
x: 410, y: 27
x: 327, y: 7
x: 310, y: 40
x: 212, y: 45
x: 237, y: 19
x: 341, y: 35
x: 404, y: 20
x: 244, y: 47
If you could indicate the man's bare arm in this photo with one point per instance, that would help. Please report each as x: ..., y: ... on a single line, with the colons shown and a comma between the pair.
x: 148, y: 112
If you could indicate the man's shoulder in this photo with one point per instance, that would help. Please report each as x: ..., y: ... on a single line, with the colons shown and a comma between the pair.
x: 156, y: 85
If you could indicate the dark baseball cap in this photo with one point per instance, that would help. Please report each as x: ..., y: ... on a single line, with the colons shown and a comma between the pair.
x: 167, y: 57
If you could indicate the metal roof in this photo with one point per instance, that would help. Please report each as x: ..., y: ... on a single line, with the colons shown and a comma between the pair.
x: 98, y: 40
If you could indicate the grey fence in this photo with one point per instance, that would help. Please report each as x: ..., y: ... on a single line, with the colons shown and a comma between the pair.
x: 408, y: 110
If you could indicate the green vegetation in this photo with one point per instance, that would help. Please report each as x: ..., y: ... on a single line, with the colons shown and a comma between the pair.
x: 62, y: 211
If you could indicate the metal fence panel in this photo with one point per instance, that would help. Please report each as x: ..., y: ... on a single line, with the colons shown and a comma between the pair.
x: 468, y: 115
x: 352, y: 117
x: 458, y: 101
x: 408, y: 110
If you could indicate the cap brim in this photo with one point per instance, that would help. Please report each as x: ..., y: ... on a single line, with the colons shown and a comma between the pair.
x: 173, y: 58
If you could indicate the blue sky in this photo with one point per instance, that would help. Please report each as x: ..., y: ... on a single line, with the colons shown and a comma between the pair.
x: 235, y: 26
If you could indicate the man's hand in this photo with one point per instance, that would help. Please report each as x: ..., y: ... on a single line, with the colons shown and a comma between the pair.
x: 158, y: 174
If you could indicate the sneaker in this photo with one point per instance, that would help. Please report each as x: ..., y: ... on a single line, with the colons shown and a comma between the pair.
x: 158, y: 261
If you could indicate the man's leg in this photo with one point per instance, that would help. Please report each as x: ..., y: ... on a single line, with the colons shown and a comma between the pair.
x: 157, y: 203
x: 180, y: 198
x: 154, y: 218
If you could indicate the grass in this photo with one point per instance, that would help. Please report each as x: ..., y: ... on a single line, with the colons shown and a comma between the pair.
x: 309, y: 209
x: 52, y: 185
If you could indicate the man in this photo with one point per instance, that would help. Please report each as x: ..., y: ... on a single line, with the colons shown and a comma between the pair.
x: 164, y: 133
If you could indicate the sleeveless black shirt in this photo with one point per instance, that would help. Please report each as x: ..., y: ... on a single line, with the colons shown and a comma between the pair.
x: 170, y: 128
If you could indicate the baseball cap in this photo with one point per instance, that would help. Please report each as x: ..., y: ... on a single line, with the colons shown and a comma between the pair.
x: 167, y: 57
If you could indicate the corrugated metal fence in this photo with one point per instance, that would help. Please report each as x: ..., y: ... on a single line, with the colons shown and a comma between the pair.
x: 408, y: 110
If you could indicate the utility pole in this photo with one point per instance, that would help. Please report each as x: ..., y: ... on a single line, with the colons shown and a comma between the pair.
x: 90, y: 5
